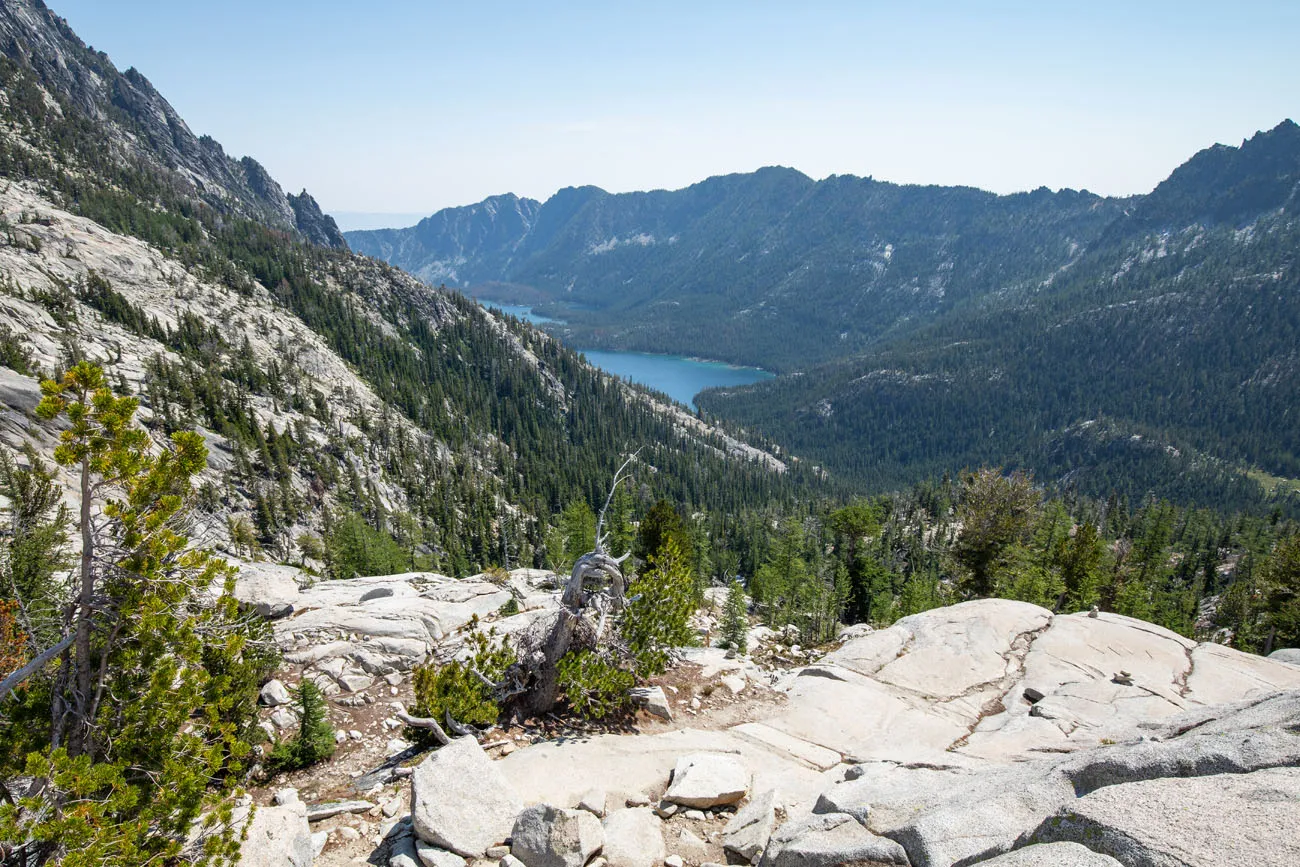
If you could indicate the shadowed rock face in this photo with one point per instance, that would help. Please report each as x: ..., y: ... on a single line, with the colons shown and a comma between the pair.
x: 140, y: 124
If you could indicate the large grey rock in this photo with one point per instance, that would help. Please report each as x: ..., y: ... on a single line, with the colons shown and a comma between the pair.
x: 749, y: 830
x: 1190, y: 755
x: 402, y: 853
x: 1052, y: 855
x: 708, y: 780
x: 654, y: 701
x: 460, y: 801
x: 382, y: 623
x: 546, y: 836
x: 978, y: 816
x: 1289, y: 655
x: 274, y: 694
x: 830, y: 840
x: 1226, y: 820
x: 278, y: 837
x: 633, y: 838
x: 432, y: 856
x: 269, y: 589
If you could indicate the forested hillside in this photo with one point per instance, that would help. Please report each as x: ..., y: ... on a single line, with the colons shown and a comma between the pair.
x: 337, y: 385
x: 1164, y: 359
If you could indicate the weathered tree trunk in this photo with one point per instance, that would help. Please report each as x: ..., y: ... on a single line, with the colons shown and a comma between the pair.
x: 81, y: 652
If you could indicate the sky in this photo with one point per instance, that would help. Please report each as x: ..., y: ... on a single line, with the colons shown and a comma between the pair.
x: 391, y: 109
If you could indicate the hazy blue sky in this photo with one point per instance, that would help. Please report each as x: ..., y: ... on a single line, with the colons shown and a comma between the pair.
x: 401, y: 106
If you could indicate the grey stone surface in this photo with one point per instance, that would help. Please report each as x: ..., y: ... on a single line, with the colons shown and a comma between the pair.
x: 432, y: 855
x: 460, y: 801
x: 278, y: 837
x: 546, y: 836
x: 1052, y: 855
x: 708, y: 780
x: 320, y: 812
x: 977, y: 816
x: 633, y: 838
x: 748, y: 831
x: 1289, y: 655
x: 830, y: 840
x: 1225, y: 820
x: 273, y: 694
x: 654, y: 701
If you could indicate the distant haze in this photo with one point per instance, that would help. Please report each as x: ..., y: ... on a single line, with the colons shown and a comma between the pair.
x: 354, y: 220
x: 402, y: 107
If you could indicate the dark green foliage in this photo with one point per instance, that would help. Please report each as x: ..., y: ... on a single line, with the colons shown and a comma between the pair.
x: 126, y: 768
x: 658, y: 616
x: 34, y: 549
x: 14, y: 353
x: 735, y: 619
x: 996, y: 513
x: 315, y: 741
x: 455, y: 689
x: 353, y: 547
x: 1280, y: 578
x: 595, y: 686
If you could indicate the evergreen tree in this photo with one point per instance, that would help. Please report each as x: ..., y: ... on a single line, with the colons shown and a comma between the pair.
x: 146, y: 721
x: 735, y: 619
x: 315, y: 741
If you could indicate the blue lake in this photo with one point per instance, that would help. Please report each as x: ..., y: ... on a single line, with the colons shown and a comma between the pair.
x: 521, y: 311
x: 678, y: 377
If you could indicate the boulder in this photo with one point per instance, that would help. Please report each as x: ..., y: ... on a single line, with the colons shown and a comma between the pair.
x: 1225, y: 820
x: 402, y: 853
x: 976, y: 816
x: 633, y: 838
x: 278, y: 837
x: 546, y: 836
x: 1289, y: 655
x: 749, y: 830
x: 432, y: 856
x: 267, y: 588
x: 274, y: 694
x: 1052, y: 855
x: 460, y: 801
x: 654, y: 701
x: 708, y: 780
x: 830, y: 840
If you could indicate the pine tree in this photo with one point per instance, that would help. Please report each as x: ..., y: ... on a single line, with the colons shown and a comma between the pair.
x: 315, y: 742
x: 146, y: 721
x: 735, y: 619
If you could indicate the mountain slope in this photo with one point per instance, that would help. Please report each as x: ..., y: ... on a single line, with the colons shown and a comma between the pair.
x: 139, y: 126
x: 1164, y: 359
x: 769, y: 268
x: 324, y: 381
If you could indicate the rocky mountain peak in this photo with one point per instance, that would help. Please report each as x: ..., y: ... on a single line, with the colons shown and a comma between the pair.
x: 140, y: 124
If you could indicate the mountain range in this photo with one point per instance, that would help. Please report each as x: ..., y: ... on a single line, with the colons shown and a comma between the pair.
x: 1143, y: 344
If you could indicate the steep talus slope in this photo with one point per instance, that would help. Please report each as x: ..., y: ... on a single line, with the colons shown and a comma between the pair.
x: 140, y: 125
x: 769, y: 268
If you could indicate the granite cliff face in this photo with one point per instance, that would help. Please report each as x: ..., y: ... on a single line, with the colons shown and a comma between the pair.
x: 140, y: 125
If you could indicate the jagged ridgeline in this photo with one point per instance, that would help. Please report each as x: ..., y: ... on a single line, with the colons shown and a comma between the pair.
x: 321, y: 377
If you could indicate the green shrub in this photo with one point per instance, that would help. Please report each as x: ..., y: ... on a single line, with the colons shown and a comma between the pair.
x: 658, y: 617
x: 454, y: 688
x: 315, y: 742
x: 594, y: 686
